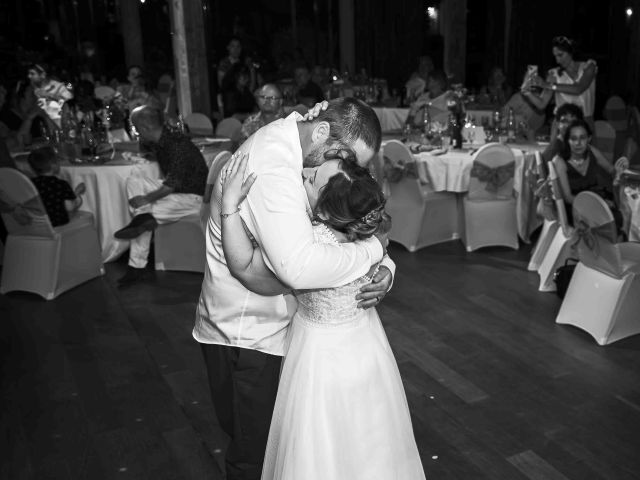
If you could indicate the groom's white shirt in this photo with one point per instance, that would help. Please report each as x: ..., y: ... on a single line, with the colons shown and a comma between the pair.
x: 276, y: 212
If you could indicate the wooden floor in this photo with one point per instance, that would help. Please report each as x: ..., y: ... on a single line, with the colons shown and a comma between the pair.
x: 108, y: 384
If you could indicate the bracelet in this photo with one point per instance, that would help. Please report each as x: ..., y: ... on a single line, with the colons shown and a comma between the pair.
x: 226, y: 215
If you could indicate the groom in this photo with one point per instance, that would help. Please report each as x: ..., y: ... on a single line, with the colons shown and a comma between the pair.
x: 242, y: 334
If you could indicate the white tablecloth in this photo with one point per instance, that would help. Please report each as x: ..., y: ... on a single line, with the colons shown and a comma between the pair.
x: 106, y: 195
x: 106, y: 198
x: 451, y: 172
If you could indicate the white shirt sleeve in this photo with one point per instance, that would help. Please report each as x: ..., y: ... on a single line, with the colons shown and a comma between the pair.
x: 391, y: 265
x: 275, y: 212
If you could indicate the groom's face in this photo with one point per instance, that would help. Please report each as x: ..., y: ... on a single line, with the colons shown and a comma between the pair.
x: 316, y: 156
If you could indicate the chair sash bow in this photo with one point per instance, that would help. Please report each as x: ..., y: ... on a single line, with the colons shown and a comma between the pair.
x: 596, y: 245
x: 394, y: 172
x: 494, y: 177
x: 24, y: 212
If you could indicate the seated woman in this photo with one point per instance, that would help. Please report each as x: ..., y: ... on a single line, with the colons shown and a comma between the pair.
x: 497, y: 90
x: 21, y: 118
x: 434, y: 100
x: 565, y: 115
x: 581, y: 168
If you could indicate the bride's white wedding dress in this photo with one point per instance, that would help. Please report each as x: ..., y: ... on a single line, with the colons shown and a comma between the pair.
x: 341, y: 411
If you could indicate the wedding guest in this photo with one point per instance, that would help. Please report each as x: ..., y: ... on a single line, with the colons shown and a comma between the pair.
x: 308, y: 93
x: 20, y: 117
x: 51, y: 94
x: 434, y: 99
x: 234, y: 52
x: 497, y: 88
x: 565, y: 115
x: 269, y: 100
x: 237, y: 99
x: 134, y: 93
x: 57, y: 196
x: 571, y: 82
x: 417, y: 83
x: 582, y: 168
x: 91, y: 63
x: 166, y: 200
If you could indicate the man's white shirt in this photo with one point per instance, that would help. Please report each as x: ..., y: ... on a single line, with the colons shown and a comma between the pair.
x: 276, y: 212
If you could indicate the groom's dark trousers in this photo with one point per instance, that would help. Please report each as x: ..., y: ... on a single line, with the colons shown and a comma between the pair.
x: 244, y: 384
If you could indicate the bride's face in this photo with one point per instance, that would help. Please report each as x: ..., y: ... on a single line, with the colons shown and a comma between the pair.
x: 315, y: 179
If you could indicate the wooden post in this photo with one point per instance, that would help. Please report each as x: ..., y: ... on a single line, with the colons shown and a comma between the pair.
x: 332, y: 57
x: 347, y: 37
x: 633, y: 70
x: 453, y: 24
x: 190, y: 57
x: 294, y: 24
x: 131, y: 32
x: 508, y: 6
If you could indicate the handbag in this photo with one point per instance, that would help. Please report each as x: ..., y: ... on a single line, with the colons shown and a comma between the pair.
x: 562, y: 276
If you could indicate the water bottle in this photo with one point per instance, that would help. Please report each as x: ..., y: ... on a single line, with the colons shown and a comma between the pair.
x: 426, y: 121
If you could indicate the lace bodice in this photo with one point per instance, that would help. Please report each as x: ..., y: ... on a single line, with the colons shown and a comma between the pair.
x: 330, y: 306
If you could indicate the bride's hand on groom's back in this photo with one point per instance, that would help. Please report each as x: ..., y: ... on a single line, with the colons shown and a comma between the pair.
x: 315, y: 110
x: 234, y: 189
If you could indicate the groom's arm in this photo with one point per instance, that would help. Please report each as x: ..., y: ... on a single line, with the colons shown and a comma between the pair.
x: 275, y: 213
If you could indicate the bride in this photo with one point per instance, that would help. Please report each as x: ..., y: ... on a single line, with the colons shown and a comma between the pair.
x: 341, y: 412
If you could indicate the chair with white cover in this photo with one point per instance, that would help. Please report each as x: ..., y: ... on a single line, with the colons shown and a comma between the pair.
x: 230, y: 128
x: 559, y: 249
x: 180, y: 245
x: 214, y: 170
x: 199, y: 124
x: 605, y: 138
x: 38, y: 257
x: 603, y: 297
x: 420, y: 215
x: 490, y: 206
x: 550, y: 223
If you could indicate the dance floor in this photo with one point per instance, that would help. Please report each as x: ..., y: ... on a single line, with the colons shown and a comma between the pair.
x: 104, y: 383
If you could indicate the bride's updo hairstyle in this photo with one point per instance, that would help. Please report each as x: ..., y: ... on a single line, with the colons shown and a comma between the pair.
x: 352, y: 202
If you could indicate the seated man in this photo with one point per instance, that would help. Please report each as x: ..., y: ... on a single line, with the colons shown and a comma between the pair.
x: 166, y: 200
x: 269, y: 100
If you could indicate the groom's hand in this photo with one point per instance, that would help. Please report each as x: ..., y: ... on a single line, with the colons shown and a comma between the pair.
x: 372, y: 293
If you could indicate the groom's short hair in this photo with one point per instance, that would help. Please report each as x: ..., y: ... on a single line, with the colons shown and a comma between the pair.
x: 351, y: 119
